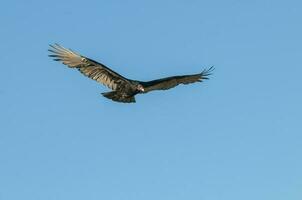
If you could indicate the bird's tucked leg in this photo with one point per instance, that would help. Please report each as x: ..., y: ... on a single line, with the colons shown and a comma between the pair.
x: 118, y: 96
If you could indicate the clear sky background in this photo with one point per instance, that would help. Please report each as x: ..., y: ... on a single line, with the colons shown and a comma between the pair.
x: 237, y: 136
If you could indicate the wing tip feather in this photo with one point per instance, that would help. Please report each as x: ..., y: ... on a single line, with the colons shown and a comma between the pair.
x: 207, y: 72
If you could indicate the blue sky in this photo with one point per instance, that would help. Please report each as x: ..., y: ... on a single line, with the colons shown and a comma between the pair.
x: 236, y: 136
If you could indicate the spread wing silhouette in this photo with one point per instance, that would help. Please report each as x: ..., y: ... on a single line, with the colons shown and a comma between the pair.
x: 89, y: 67
x: 170, y: 82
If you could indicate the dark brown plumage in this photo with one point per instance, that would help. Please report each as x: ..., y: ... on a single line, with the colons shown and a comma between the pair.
x: 124, y: 89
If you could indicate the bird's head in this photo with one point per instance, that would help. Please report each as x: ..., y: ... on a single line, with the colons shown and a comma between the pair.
x: 140, y: 88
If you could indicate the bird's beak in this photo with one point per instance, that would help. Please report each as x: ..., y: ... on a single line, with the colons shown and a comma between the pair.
x: 140, y: 88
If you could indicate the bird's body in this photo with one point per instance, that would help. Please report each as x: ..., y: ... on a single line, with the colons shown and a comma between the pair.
x: 123, y: 89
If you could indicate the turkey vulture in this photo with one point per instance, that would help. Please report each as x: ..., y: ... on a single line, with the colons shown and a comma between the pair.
x: 123, y: 89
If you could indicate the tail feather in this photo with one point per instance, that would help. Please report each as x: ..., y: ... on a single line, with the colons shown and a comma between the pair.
x: 119, y: 97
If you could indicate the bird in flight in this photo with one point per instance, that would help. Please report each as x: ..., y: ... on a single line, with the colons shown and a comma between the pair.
x: 123, y: 89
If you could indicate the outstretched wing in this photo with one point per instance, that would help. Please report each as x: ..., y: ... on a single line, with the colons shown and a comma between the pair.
x: 170, y: 82
x: 89, y: 67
